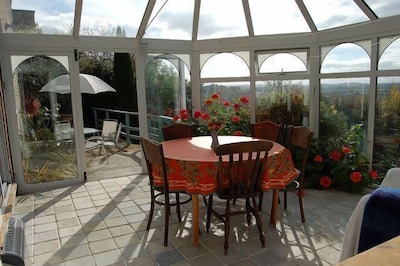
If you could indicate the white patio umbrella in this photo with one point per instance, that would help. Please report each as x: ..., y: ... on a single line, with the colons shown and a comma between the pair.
x: 88, y: 83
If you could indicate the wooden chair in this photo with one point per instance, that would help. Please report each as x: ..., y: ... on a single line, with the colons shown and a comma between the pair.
x: 160, y: 193
x: 266, y: 130
x: 298, y: 141
x: 177, y: 131
x: 239, y: 178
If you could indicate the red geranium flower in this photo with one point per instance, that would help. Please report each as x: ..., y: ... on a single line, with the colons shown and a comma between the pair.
x: 226, y: 103
x: 356, y: 177
x: 235, y: 119
x: 335, y: 155
x: 214, y: 96
x: 176, y: 118
x: 373, y: 174
x: 318, y: 159
x: 205, y: 116
x: 244, y: 99
x: 184, y: 114
x: 325, y: 181
x: 236, y: 106
x: 197, y: 114
x: 208, y: 102
x: 238, y: 133
x: 346, y: 150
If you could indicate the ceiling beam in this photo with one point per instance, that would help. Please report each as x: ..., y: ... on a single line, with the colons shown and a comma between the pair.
x: 196, y: 16
x: 77, y: 19
x: 366, y: 9
x: 306, y: 15
x: 145, y: 20
x: 247, y: 15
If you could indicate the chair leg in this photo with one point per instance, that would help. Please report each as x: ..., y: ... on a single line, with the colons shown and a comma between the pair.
x: 166, y: 220
x: 260, y: 200
x: 248, y: 210
x: 151, y: 211
x: 205, y: 200
x: 209, y: 212
x: 227, y: 227
x: 256, y: 214
x: 303, y: 219
x: 178, y: 207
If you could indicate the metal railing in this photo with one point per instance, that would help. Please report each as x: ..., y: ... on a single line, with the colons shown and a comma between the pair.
x: 130, y: 123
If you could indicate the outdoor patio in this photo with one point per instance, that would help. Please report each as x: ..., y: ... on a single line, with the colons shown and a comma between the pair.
x: 102, y: 222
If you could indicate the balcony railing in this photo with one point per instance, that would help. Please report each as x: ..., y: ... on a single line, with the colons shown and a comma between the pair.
x: 130, y: 123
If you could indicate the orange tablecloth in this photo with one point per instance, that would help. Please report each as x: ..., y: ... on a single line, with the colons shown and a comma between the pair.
x: 192, y: 166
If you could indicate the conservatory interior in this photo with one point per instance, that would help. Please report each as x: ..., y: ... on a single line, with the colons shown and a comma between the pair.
x: 330, y: 66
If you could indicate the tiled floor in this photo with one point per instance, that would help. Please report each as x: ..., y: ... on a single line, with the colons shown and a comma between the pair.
x: 103, y: 223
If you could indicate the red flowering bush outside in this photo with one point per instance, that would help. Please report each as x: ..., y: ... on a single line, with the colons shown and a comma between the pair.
x: 229, y: 118
x: 340, y: 163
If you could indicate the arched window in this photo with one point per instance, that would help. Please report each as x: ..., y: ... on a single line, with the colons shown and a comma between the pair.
x: 390, y: 59
x: 283, y: 62
x: 225, y: 65
x: 168, y: 90
x: 346, y: 57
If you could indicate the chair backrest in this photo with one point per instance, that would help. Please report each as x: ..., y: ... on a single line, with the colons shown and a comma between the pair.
x: 177, y: 131
x: 154, y: 157
x: 109, y: 129
x: 266, y: 130
x: 298, y: 141
x: 240, y: 168
x: 112, y: 139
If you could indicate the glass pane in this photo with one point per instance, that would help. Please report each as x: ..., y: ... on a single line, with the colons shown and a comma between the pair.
x: 283, y: 102
x: 384, y: 8
x: 103, y: 18
x: 216, y: 22
x: 387, y: 122
x: 390, y: 59
x: 168, y: 91
x: 282, y: 62
x: 328, y: 14
x: 225, y: 65
x: 174, y: 20
x: 46, y: 137
x: 344, y: 103
x: 43, y: 16
x: 346, y: 57
x: 227, y: 102
x: 267, y: 17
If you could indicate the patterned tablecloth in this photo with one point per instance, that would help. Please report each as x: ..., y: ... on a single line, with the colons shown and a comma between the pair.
x: 193, y: 165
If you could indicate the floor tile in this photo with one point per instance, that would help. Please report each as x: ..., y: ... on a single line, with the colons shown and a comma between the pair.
x: 81, y: 226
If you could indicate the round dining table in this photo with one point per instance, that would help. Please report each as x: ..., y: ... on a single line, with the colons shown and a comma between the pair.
x: 192, y: 166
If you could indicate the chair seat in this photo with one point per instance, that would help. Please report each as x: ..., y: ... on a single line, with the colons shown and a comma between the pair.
x: 91, y: 145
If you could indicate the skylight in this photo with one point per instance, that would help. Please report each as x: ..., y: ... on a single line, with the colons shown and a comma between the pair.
x: 177, y: 19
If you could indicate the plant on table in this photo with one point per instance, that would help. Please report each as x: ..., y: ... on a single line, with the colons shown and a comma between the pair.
x: 228, y: 118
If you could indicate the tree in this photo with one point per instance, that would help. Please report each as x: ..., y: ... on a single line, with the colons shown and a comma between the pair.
x: 124, y: 79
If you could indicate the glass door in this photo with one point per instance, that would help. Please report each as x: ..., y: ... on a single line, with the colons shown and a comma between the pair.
x: 45, y: 144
